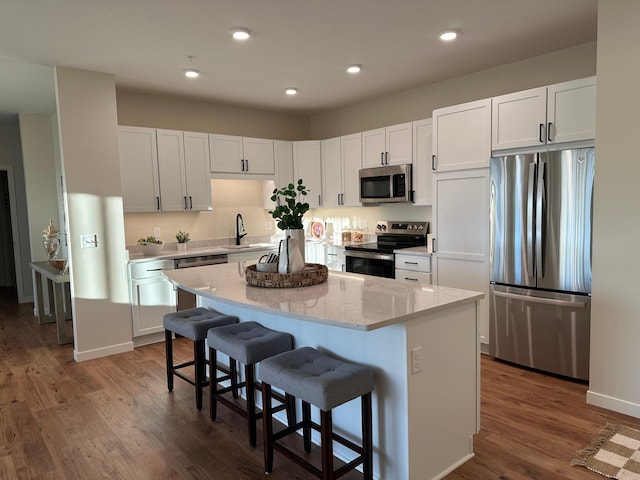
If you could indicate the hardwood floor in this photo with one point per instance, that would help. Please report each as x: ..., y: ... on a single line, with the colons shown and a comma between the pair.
x: 113, y: 418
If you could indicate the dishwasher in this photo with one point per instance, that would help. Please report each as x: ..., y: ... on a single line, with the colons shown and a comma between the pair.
x: 187, y: 300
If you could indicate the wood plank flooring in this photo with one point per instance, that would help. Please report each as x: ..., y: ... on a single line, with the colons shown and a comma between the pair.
x: 113, y: 418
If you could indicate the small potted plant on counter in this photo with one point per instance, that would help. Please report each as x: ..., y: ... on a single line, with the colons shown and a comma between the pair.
x: 289, y: 210
x: 182, y: 238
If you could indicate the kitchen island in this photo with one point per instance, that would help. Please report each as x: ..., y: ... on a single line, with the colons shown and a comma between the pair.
x: 420, y: 340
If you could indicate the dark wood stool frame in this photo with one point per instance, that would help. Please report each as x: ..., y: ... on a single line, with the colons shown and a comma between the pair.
x: 217, y: 392
x: 199, y: 362
x: 364, y: 451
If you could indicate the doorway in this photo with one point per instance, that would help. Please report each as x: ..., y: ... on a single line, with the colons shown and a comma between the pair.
x: 7, y: 260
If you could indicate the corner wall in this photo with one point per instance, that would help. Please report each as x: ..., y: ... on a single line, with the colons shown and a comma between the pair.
x: 615, y: 316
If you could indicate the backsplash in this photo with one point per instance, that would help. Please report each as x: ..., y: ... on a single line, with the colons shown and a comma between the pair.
x: 230, y: 197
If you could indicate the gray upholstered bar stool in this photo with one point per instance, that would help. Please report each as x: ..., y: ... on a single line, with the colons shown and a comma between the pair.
x: 325, y: 382
x: 247, y: 343
x: 194, y: 324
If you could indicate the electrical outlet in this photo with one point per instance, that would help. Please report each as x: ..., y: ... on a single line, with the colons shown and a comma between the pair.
x: 417, y: 360
x: 268, y: 226
x: 157, y: 232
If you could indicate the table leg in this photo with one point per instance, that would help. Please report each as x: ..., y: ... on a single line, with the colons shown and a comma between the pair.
x: 60, y: 315
x: 42, y: 318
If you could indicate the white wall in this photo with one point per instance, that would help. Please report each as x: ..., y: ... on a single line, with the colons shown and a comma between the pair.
x: 615, y: 324
x: 40, y: 178
x: 86, y: 106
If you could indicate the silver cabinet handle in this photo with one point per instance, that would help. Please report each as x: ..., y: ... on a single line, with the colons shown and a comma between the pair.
x: 242, y: 164
x: 186, y: 206
x: 433, y: 162
x: 386, y: 158
x: 381, y: 158
x: 246, y: 165
x: 410, y: 263
x: 190, y: 202
x: 433, y: 245
x: 411, y: 279
x: 549, y: 132
x: 157, y: 203
x: 541, y: 133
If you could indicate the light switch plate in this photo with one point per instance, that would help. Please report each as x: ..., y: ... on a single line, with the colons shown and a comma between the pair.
x: 89, y: 241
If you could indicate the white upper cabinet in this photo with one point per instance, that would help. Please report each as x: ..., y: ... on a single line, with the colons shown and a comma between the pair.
x: 351, y: 151
x: 469, y: 121
x: 331, y: 172
x: 139, y: 169
x: 306, y: 165
x: 241, y: 156
x: 183, y: 159
x: 387, y: 146
x: 422, y: 151
x: 341, y: 161
x: 283, y: 153
x: 559, y: 113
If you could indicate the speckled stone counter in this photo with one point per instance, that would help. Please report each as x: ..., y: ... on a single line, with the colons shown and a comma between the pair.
x: 421, y: 341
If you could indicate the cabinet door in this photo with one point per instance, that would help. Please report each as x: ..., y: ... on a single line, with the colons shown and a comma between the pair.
x: 225, y: 153
x: 258, y: 156
x: 461, y: 230
x: 399, y: 149
x: 422, y: 151
x: 373, y: 148
x: 171, y: 168
x: 306, y: 165
x: 198, y: 178
x: 283, y: 152
x: 331, y: 172
x: 351, y: 151
x: 571, y: 111
x: 462, y: 136
x: 519, y: 119
x: 139, y: 169
x: 151, y: 299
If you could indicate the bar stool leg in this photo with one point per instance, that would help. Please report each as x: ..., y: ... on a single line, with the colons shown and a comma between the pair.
x: 213, y: 383
x: 291, y: 409
x: 233, y: 369
x: 367, y: 437
x: 249, y: 373
x: 200, y: 370
x: 306, y: 425
x: 267, y: 427
x: 168, y: 342
x: 326, y: 444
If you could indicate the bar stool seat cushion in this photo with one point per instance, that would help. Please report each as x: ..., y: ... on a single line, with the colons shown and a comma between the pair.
x: 194, y: 323
x: 316, y: 378
x: 249, y: 342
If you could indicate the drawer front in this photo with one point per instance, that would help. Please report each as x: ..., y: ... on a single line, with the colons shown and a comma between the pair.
x: 412, y: 276
x: 149, y: 269
x: 418, y: 263
x: 333, y: 254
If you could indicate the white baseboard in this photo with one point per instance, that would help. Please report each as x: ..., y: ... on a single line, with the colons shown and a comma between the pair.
x: 612, y: 403
x: 148, y: 339
x: 102, y: 352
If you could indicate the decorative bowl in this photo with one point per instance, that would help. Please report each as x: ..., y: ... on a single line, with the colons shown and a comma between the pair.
x: 150, y: 249
x: 267, y: 267
x: 58, y: 263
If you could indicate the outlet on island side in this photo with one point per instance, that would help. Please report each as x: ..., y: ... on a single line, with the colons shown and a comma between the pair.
x: 417, y: 361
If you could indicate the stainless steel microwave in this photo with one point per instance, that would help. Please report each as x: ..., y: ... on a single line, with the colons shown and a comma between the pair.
x: 391, y: 183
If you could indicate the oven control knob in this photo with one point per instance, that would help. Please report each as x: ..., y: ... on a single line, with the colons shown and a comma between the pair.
x: 409, y: 227
x: 420, y: 227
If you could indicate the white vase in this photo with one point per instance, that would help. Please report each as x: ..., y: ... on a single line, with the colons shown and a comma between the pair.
x: 298, y: 235
x: 290, y: 258
x: 182, y: 247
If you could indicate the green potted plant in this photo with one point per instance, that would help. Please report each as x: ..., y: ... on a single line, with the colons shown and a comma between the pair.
x: 150, y: 246
x: 289, y: 210
x: 182, y: 238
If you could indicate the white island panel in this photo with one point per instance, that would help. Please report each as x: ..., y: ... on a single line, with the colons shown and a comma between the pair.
x: 423, y: 422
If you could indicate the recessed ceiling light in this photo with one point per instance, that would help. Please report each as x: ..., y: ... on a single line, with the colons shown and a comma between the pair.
x: 291, y: 91
x: 191, y: 73
x: 241, y: 33
x: 353, y: 69
x: 448, y: 36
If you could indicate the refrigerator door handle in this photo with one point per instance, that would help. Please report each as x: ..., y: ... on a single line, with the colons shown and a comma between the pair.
x: 540, y: 213
x: 530, y: 226
x: 545, y: 301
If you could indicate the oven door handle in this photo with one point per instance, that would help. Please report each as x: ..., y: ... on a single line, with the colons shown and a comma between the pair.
x: 370, y: 255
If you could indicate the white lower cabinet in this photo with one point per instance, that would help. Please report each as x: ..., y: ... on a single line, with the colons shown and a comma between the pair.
x: 413, y: 268
x: 334, y: 257
x: 151, y: 296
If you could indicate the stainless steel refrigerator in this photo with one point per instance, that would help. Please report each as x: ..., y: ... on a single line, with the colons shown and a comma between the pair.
x: 540, y: 252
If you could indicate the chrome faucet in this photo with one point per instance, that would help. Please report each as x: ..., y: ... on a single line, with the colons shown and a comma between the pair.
x: 240, y: 232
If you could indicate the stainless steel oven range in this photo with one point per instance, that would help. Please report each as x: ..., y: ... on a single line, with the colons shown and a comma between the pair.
x: 378, y: 258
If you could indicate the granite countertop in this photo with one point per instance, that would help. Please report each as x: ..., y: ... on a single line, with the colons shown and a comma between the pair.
x: 170, y: 254
x: 347, y: 300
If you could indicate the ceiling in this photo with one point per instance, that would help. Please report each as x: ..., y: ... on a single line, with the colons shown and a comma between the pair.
x: 301, y: 43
